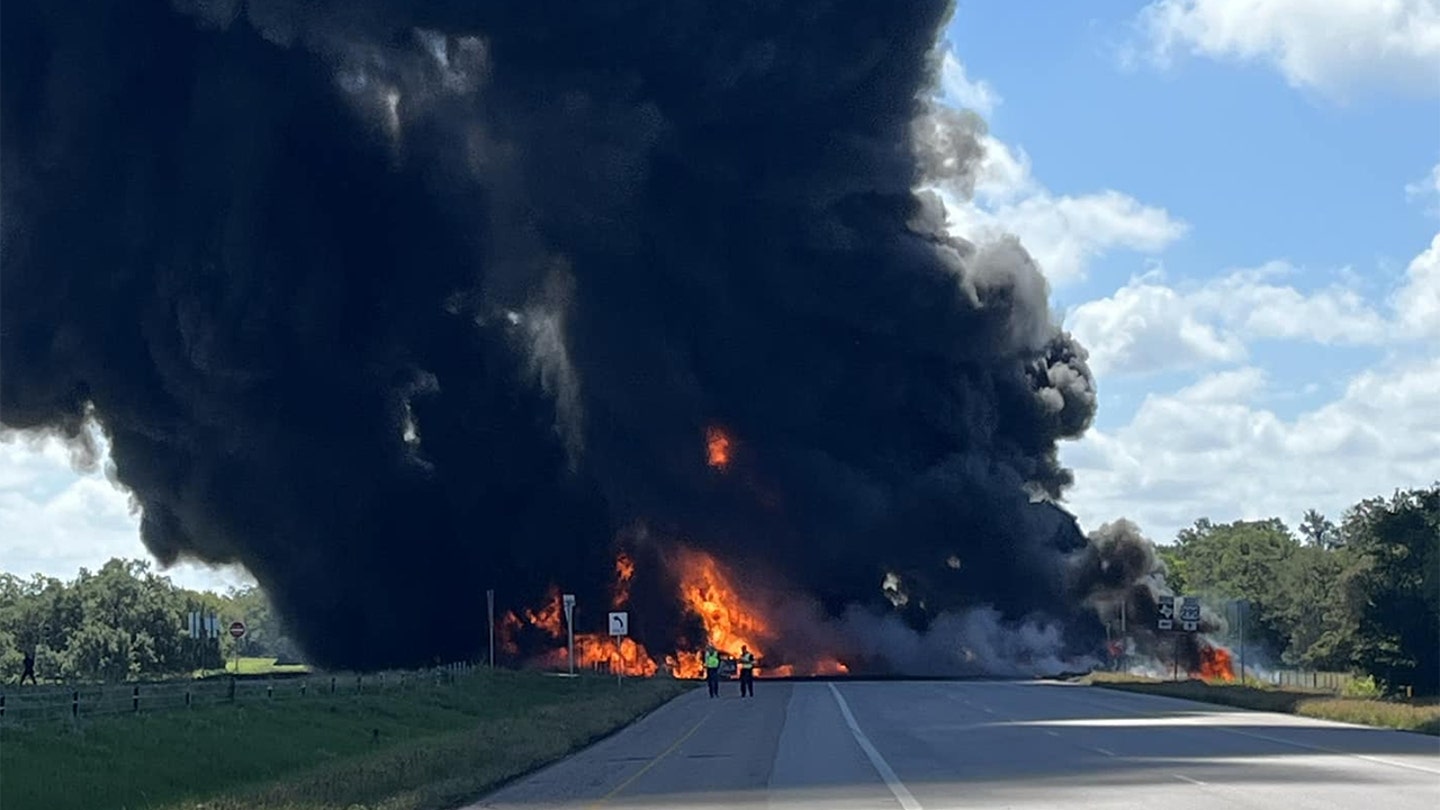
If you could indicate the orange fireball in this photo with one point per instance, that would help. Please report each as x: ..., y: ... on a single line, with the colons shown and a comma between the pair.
x: 717, y: 447
x: 1215, y: 664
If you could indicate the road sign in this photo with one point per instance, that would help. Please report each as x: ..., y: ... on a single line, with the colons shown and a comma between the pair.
x: 1167, y: 613
x: 1190, y: 614
x: 237, y: 630
x: 620, y: 623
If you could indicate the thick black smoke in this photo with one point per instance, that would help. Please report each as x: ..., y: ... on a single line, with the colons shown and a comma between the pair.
x: 396, y: 301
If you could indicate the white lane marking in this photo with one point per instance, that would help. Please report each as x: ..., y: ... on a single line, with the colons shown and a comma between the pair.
x: 1104, y: 751
x: 1182, y: 777
x: 1053, y: 733
x: 1366, y: 757
x: 1213, y: 714
x: 902, y: 794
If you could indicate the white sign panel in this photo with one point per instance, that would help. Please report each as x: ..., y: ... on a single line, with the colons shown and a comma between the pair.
x: 1167, y: 613
x: 620, y: 623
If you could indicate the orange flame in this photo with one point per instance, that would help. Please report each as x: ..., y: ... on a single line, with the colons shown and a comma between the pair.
x: 624, y: 572
x: 717, y: 447
x: 730, y: 621
x: 592, y: 650
x: 1215, y: 664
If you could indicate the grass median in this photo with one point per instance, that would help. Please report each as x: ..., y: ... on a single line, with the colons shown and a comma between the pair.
x: 1418, y: 716
x: 428, y: 747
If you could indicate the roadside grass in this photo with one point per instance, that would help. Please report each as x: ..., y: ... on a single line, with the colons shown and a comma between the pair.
x: 1422, y: 716
x: 261, y: 666
x: 425, y: 749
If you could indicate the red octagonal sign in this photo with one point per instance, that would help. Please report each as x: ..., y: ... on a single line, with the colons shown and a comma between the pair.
x: 237, y: 629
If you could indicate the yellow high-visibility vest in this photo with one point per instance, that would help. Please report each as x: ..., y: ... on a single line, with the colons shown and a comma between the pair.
x: 747, y: 661
x: 712, y: 660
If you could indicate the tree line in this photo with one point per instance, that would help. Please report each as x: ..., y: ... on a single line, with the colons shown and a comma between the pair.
x: 1362, y: 595
x: 125, y: 622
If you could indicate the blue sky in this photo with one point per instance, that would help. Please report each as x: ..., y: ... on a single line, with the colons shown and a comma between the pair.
x: 1262, y: 274
x: 1239, y: 214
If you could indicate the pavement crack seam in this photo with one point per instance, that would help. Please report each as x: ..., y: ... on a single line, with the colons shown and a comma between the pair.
x: 902, y: 793
x: 652, y: 763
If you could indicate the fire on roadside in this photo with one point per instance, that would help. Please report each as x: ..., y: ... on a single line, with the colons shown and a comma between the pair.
x: 1215, y: 664
x: 705, y: 590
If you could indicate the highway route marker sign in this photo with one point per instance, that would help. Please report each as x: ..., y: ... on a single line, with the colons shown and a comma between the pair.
x: 1190, y: 614
x: 1167, y: 613
x: 620, y: 623
x: 237, y: 630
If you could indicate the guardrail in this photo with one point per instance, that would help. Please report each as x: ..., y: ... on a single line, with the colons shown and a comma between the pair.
x: 1309, y: 679
x: 19, y: 704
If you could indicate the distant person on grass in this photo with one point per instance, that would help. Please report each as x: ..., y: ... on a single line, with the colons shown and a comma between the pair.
x: 29, y: 669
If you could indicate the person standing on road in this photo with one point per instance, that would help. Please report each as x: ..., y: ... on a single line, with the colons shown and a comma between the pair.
x: 712, y: 670
x: 747, y: 672
x: 29, y: 669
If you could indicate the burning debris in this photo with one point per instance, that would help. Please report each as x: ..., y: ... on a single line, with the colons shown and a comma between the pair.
x: 1215, y: 664
x: 394, y: 302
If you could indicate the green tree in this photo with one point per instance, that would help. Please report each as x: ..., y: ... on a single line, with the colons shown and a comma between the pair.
x: 1319, y: 531
x: 1243, y: 560
x: 1393, y: 587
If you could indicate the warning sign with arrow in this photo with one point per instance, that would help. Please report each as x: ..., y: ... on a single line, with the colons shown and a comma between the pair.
x: 620, y: 623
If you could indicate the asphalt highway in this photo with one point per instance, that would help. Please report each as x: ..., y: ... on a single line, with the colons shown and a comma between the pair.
x: 970, y: 744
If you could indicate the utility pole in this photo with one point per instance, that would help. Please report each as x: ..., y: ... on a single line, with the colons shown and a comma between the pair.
x: 490, y: 608
x: 1241, y: 610
x: 1124, y: 646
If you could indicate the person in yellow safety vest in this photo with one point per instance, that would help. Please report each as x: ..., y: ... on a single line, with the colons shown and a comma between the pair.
x: 712, y: 670
x: 747, y: 672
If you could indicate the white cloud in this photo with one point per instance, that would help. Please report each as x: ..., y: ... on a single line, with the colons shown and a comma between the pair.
x: 1064, y: 233
x: 957, y: 89
x: 1210, y: 450
x: 1337, y: 47
x: 1417, y: 303
x: 990, y: 191
x: 55, y: 521
x: 1427, y: 189
x: 1147, y: 326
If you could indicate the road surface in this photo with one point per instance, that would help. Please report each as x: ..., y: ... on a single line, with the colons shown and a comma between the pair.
x: 929, y: 745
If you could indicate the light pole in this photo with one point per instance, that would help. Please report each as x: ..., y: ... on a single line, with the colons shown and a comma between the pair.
x: 569, y: 601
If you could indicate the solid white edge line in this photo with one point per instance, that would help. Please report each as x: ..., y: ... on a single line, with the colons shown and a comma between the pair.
x: 902, y: 794
x: 1182, y: 777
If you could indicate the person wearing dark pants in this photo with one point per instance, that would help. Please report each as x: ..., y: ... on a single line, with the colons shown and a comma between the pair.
x: 712, y: 671
x: 747, y: 672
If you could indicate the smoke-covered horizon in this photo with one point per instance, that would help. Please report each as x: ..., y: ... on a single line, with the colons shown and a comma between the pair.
x: 395, y: 302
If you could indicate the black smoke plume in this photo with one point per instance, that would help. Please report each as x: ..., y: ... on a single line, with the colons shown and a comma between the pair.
x: 393, y: 302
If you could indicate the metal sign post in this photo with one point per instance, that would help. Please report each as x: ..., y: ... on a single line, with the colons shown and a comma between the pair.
x: 237, y: 632
x: 569, y: 602
x: 490, y: 607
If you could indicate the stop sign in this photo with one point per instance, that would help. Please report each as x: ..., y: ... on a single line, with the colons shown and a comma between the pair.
x: 237, y: 629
